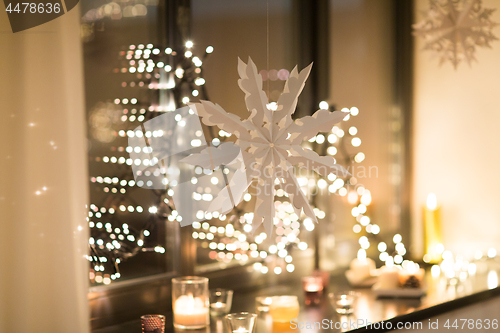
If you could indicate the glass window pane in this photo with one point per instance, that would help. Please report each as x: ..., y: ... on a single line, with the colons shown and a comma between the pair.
x: 129, y: 229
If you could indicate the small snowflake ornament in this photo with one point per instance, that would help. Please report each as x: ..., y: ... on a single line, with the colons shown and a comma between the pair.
x: 270, y: 141
x: 453, y: 29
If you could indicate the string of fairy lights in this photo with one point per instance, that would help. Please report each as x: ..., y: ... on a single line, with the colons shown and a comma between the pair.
x: 173, y: 79
x: 227, y: 237
x: 169, y: 78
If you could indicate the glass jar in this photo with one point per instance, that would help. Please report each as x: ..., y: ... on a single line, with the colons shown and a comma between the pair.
x: 190, y: 302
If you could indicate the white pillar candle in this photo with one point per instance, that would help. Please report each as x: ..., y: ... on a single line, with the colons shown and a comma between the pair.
x: 388, y: 278
x: 361, y: 268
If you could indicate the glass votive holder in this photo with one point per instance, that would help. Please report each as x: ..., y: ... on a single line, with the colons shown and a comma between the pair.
x: 343, y: 302
x: 153, y: 324
x: 313, y: 289
x: 262, y: 304
x: 284, y: 308
x: 241, y: 322
x: 190, y: 302
x: 220, y: 301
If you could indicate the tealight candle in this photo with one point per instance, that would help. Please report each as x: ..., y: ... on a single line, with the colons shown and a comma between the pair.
x: 325, y: 277
x: 313, y: 288
x: 240, y: 330
x: 217, y: 308
x: 343, y: 302
x: 218, y: 305
x: 190, y: 311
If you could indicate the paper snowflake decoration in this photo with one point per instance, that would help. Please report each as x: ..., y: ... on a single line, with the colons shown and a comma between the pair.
x: 270, y: 142
x: 454, y: 28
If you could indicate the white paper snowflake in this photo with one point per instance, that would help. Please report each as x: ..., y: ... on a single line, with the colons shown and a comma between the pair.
x: 270, y: 142
x: 454, y: 28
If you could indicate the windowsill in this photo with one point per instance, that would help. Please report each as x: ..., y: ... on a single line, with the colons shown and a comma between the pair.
x: 439, y: 299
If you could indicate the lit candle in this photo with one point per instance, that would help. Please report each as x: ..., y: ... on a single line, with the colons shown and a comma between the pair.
x: 313, y: 285
x: 218, y: 305
x: 313, y: 288
x: 325, y: 277
x: 218, y: 308
x: 361, y: 267
x: 240, y: 330
x: 432, y: 229
x: 190, y: 311
x: 343, y: 302
x: 388, y: 278
x: 220, y: 301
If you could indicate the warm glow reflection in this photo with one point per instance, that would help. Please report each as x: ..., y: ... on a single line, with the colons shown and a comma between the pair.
x: 363, y: 309
x: 391, y: 310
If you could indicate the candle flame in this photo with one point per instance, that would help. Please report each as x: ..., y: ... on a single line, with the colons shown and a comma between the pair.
x: 190, y: 301
x: 431, y: 201
x: 389, y: 262
x: 412, y: 268
x: 361, y: 254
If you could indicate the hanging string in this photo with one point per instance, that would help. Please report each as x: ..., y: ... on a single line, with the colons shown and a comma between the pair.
x: 267, y: 46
